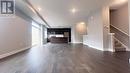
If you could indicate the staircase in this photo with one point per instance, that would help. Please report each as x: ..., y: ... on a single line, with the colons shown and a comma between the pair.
x: 119, y: 47
x: 120, y: 39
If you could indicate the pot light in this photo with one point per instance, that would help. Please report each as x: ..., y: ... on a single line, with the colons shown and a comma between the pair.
x: 82, y: 23
x: 73, y: 10
x: 39, y: 9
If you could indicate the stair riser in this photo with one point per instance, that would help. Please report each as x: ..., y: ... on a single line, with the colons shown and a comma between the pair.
x: 120, y: 49
x: 118, y: 45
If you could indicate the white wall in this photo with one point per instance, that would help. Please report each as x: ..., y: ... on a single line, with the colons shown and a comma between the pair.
x: 77, y: 32
x: 98, y: 29
x: 106, y: 27
x: 95, y: 30
x: 15, y: 33
x: 75, y: 37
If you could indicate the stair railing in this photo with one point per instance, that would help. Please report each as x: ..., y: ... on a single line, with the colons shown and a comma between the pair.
x: 121, y: 36
x: 120, y: 30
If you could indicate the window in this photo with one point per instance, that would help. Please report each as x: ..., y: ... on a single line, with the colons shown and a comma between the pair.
x: 7, y: 7
x: 36, y: 34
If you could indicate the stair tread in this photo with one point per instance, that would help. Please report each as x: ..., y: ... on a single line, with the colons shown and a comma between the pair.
x: 121, y: 51
x: 120, y: 47
x: 118, y: 43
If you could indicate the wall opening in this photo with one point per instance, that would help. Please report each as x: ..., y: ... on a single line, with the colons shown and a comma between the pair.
x: 119, y: 24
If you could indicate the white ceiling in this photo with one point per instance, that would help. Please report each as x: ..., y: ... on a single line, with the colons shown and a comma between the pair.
x: 25, y: 8
x: 117, y: 4
x: 57, y: 12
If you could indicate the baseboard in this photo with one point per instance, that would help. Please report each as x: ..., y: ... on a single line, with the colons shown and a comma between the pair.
x: 93, y: 47
x: 99, y: 48
x: 77, y: 42
x: 85, y: 44
x: 110, y: 50
x: 13, y: 52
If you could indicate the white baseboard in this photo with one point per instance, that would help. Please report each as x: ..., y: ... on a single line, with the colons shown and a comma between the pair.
x: 99, y: 48
x: 13, y: 52
x: 85, y: 43
x: 93, y: 47
x: 110, y: 50
x: 77, y: 42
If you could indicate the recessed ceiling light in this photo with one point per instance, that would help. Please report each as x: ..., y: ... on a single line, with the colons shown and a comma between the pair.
x: 82, y: 23
x: 39, y: 9
x: 73, y: 10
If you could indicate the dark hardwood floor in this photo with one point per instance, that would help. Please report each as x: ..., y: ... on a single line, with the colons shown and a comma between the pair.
x: 66, y: 58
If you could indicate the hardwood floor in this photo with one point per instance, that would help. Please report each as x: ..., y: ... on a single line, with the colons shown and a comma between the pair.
x: 66, y: 58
